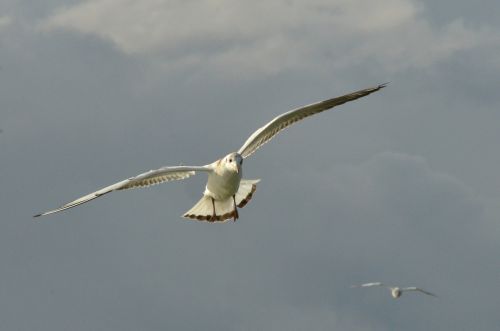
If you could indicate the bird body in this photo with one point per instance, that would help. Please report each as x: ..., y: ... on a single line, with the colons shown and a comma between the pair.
x: 225, y: 190
x: 224, y: 181
x: 396, y: 292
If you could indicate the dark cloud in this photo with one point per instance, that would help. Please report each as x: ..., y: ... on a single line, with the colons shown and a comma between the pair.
x: 399, y: 187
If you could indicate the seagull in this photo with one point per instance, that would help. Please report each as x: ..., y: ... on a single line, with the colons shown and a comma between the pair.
x: 396, y: 291
x: 225, y: 190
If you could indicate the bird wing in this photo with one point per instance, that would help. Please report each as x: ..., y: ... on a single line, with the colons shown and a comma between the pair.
x: 369, y: 284
x: 149, y: 178
x: 419, y: 290
x: 268, y: 131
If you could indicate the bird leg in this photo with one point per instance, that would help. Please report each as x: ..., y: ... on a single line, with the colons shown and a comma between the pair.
x: 214, y: 217
x: 236, y: 216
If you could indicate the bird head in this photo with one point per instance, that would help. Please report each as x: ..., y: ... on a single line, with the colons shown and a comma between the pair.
x: 233, y: 162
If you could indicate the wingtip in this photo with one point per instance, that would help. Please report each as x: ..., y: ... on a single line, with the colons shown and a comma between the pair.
x: 433, y: 295
x: 383, y: 85
x: 43, y: 214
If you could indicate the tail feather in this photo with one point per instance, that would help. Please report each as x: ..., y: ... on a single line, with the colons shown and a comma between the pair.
x: 245, y: 192
x: 224, y: 209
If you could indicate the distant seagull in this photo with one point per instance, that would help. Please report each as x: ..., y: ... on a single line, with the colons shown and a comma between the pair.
x: 225, y: 189
x: 396, y: 292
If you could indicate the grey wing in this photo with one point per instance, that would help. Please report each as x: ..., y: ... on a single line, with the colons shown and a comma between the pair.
x: 419, y: 290
x: 268, y: 131
x: 369, y: 284
x: 149, y: 178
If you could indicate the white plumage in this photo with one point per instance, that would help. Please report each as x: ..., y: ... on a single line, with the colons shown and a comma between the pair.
x: 225, y: 190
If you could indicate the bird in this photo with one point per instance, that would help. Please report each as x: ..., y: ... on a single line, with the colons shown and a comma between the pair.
x: 396, y: 291
x: 225, y: 190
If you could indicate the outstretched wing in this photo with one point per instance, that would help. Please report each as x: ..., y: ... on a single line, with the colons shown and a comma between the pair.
x: 149, y: 178
x: 419, y: 290
x: 268, y: 131
x: 369, y: 284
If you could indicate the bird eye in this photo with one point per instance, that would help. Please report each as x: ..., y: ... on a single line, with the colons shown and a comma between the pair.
x: 230, y: 160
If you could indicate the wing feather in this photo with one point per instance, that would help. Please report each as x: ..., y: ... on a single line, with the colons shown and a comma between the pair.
x: 419, y: 290
x: 369, y: 284
x: 152, y: 177
x: 268, y: 131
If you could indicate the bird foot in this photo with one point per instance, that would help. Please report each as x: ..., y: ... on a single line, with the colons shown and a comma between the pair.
x: 214, y: 216
x: 235, y: 215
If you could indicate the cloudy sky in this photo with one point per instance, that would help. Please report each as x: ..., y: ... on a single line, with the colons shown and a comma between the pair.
x: 401, y: 186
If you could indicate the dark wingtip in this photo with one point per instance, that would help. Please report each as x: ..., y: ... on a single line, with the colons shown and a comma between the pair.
x: 383, y: 85
x: 37, y: 215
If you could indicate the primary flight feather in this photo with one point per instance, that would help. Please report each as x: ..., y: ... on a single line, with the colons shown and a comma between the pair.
x: 225, y: 190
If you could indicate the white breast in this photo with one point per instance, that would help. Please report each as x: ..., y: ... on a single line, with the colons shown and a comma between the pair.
x: 223, y: 185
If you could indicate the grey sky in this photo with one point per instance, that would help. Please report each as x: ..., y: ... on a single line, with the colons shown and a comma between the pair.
x: 401, y: 186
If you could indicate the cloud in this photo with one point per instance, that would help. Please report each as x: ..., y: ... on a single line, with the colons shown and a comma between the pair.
x: 391, y: 218
x: 5, y: 21
x: 394, y: 197
x: 269, y: 37
x: 79, y: 113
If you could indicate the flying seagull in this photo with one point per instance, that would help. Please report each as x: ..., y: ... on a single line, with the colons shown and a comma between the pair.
x: 396, y: 292
x: 225, y: 190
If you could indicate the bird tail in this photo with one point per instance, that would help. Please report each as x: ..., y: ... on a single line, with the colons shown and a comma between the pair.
x: 224, y: 209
